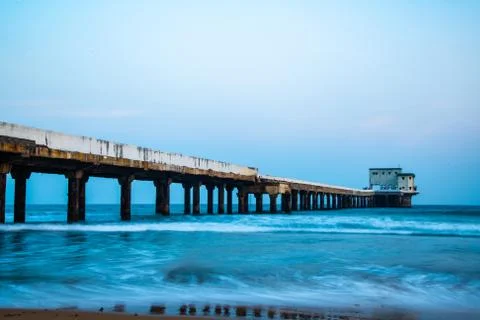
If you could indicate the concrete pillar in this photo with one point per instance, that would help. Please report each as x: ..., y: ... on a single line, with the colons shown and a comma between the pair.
x: 294, y: 200
x: 258, y: 202
x: 273, y: 202
x: 286, y: 202
x: 241, y: 202
x: 210, y: 189
x: 221, y: 198
x: 196, y: 197
x: 229, y: 199
x: 334, y: 201
x: 75, y: 185
x: 4, y: 170
x: 187, y: 202
x: 3, y: 189
x: 125, y: 197
x: 329, y: 201
x: 314, y: 201
x: 20, y: 176
x: 82, y: 197
x: 247, y: 203
x: 308, y: 201
x: 162, y: 199
x: 322, y: 201
x: 303, y: 200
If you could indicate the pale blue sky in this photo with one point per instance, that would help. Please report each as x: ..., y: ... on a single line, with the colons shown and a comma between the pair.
x: 314, y: 90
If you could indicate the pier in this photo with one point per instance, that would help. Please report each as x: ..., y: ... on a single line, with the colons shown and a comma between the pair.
x: 25, y: 150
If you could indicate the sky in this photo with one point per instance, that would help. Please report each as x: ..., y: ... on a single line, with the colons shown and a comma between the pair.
x: 315, y: 90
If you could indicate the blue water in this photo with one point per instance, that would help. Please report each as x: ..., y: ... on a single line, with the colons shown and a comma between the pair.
x: 423, y: 258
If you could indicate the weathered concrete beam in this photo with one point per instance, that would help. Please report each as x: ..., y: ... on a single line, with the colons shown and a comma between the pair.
x: 31, y: 142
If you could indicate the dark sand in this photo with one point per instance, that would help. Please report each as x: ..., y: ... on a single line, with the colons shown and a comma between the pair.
x: 234, y: 313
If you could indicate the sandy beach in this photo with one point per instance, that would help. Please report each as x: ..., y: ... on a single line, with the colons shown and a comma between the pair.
x: 240, y: 312
x: 45, y: 314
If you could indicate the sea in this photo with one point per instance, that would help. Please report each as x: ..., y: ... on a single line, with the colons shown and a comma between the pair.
x: 423, y: 260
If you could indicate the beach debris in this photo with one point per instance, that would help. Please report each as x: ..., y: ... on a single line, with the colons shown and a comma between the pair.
x: 101, y: 309
x: 206, y: 310
x: 157, y: 309
x: 241, y: 311
x: 183, y: 310
x: 119, y: 308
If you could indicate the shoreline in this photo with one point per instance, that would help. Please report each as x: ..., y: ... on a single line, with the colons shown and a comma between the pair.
x: 201, y: 313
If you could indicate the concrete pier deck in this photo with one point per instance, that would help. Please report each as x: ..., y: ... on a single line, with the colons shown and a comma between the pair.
x: 24, y: 150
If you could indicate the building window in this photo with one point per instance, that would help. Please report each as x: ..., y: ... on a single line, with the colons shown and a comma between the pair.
x: 403, y: 178
x: 410, y: 178
x: 409, y: 188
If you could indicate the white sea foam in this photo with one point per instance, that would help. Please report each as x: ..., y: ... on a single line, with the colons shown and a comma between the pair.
x: 361, y: 226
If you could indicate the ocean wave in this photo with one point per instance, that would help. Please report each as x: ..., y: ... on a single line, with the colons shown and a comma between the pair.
x: 458, y: 230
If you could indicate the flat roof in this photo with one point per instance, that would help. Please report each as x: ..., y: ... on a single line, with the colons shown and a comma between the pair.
x: 406, y: 174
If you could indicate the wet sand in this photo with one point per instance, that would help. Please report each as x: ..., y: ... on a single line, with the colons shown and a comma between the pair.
x: 44, y: 314
x: 239, y: 312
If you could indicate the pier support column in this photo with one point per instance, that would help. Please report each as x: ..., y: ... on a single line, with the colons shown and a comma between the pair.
x: 315, y: 201
x: 126, y: 197
x: 273, y: 202
x: 162, y: 198
x: 329, y: 201
x: 334, y: 201
x: 20, y: 176
x: 187, y: 202
x: 303, y: 200
x: 258, y: 202
x: 286, y: 202
x: 241, y: 201
x: 247, y: 203
x: 322, y: 201
x: 229, y: 199
x: 308, y: 201
x: 294, y: 200
x: 4, y: 170
x: 76, y: 196
x: 82, y: 197
x: 196, y: 197
x: 221, y: 198
x: 210, y: 189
